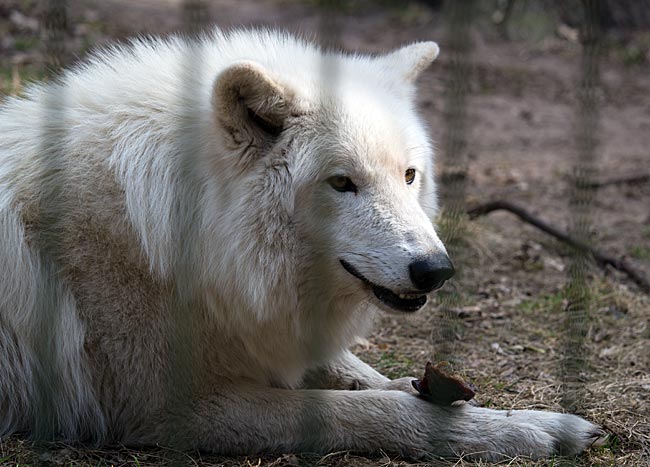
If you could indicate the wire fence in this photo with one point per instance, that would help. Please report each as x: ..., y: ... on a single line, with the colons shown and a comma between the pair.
x: 580, y: 203
x: 49, y: 375
x: 453, y: 179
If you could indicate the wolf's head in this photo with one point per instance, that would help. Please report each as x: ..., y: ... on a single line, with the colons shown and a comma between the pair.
x: 341, y: 169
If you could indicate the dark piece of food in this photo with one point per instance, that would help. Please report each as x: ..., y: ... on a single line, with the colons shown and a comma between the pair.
x: 442, y: 388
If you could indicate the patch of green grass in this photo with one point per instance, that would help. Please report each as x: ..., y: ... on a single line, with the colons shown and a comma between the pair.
x: 630, y: 52
x: 503, y: 386
x: 598, y: 294
x: 25, y: 43
x: 639, y: 251
x: 633, y: 55
x: 14, y: 79
x: 613, y: 443
x: 28, y: 4
x: 394, y: 365
x: 5, y: 72
x: 545, y: 302
x: 533, y: 265
x: 531, y: 23
x: 6, y: 81
x: 646, y: 231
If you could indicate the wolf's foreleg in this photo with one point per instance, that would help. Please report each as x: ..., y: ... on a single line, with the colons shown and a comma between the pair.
x: 254, y: 419
x: 349, y: 372
x: 345, y: 372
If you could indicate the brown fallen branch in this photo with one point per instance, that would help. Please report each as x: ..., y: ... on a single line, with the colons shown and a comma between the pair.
x: 629, y: 179
x: 601, y: 259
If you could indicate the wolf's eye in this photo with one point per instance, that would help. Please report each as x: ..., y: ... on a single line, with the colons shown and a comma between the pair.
x: 409, y: 176
x: 342, y: 184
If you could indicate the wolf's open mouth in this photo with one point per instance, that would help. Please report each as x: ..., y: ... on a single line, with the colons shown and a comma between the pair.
x: 401, y: 302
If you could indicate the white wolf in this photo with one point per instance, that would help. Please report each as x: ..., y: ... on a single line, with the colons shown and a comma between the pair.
x: 194, y: 232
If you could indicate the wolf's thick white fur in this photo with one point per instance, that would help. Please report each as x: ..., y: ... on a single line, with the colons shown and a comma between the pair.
x: 168, y: 220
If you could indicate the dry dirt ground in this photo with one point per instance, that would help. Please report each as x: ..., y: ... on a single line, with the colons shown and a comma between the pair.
x: 508, y: 324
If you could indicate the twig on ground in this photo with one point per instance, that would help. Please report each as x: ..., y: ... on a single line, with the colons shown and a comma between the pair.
x: 602, y: 259
x: 626, y: 179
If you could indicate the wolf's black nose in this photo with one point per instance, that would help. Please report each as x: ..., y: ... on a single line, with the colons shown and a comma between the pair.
x: 431, y: 272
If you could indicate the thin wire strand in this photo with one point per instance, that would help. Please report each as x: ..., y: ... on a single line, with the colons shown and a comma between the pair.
x: 574, y: 361
x: 459, y: 16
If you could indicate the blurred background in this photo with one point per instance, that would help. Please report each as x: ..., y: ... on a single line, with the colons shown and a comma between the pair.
x: 544, y: 104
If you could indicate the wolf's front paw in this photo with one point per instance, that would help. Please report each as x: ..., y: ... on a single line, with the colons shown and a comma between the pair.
x: 400, y: 384
x: 535, y: 434
x: 571, y: 434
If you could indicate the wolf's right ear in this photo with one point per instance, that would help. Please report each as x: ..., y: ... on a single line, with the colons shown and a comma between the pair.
x: 249, y: 105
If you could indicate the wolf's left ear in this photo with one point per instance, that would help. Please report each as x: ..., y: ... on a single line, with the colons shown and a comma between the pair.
x: 411, y: 60
x: 249, y: 105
